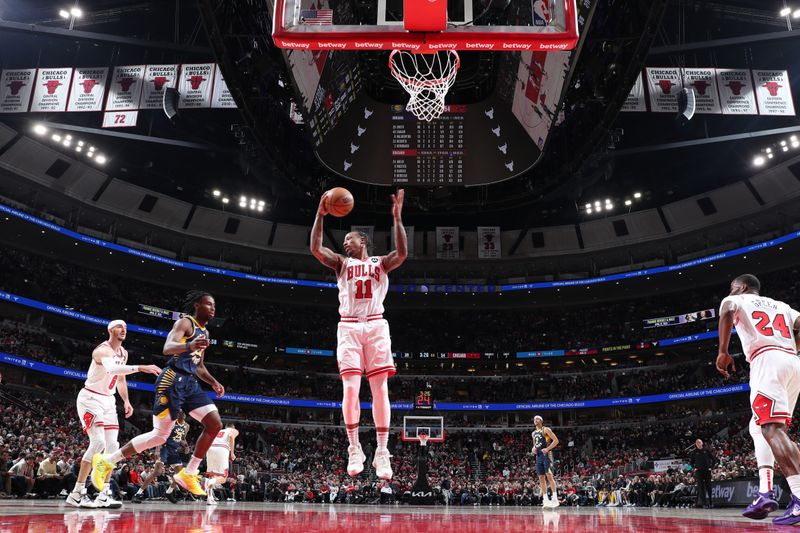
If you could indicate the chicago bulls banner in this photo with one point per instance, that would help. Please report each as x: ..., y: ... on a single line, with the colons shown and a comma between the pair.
x: 51, y: 89
x: 664, y: 84
x: 195, y: 85
x: 156, y: 79
x: 446, y: 242
x: 736, y: 91
x: 221, y: 95
x: 489, y: 242
x: 125, y: 88
x: 15, y: 90
x: 88, y: 89
x: 704, y: 83
x: 409, y: 239
x: 635, y: 100
x: 773, y: 92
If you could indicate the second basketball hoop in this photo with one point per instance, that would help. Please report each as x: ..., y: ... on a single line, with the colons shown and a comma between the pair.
x: 426, y: 78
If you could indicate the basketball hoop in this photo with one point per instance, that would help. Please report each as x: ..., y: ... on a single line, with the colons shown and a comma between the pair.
x: 426, y: 78
x: 423, y: 439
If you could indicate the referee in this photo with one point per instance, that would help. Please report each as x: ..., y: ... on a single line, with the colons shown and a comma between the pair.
x: 702, y: 462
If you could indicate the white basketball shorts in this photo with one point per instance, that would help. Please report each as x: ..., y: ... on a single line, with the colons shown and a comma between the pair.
x: 364, y: 348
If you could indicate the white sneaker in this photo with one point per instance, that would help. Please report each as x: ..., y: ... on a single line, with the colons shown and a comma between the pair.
x: 382, y: 464
x: 106, y: 501
x: 355, y: 462
x: 63, y: 493
x: 545, y: 501
x: 211, y: 500
x: 78, y: 499
x: 554, y: 502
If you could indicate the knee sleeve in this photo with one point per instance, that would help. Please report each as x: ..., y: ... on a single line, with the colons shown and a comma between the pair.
x: 111, y: 440
x: 161, y: 429
x: 96, y: 442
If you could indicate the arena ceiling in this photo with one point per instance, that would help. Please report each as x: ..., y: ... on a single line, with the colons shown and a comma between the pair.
x: 609, y: 154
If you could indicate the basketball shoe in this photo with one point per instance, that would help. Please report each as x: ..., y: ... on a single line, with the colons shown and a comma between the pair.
x: 792, y: 514
x: 355, y: 462
x: 382, y: 464
x: 763, y: 505
x: 190, y: 482
x: 101, y: 466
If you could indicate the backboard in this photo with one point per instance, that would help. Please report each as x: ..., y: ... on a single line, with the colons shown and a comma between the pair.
x: 414, y: 426
x: 480, y: 25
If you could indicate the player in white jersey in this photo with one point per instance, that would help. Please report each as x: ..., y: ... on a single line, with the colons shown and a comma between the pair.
x: 218, y: 457
x: 767, y: 330
x: 97, y: 408
x: 364, y: 345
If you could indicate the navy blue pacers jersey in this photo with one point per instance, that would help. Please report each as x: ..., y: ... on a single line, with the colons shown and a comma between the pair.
x: 540, y: 440
x: 178, y: 434
x: 187, y: 362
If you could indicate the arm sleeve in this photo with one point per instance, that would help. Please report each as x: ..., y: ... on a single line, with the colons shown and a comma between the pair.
x: 117, y: 369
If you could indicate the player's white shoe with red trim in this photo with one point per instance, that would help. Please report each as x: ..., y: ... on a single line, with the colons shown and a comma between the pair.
x: 382, y: 464
x: 355, y: 463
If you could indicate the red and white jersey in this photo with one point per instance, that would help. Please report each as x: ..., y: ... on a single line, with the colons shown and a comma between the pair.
x: 99, y: 380
x: 763, y: 324
x: 223, y: 438
x: 362, y: 288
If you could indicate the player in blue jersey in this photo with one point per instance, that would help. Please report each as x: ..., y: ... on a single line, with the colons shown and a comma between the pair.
x: 178, y: 388
x: 544, y: 440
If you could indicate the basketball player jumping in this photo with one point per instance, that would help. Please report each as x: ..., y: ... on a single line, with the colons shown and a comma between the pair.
x: 364, y: 345
x: 97, y: 409
x: 767, y: 330
x: 177, y: 388
x: 544, y: 440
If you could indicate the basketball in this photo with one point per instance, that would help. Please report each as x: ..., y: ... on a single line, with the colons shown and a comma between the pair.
x: 339, y: 202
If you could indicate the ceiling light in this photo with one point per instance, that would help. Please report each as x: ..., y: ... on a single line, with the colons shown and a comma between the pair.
x: 786, y: 11
x: 588, y: 210
x: 78, y: 149
x: 628, y: 202
x: 597, y: 203
x: 90, y: 155
x: 637, y: 195
x: 216, y: 192
x: 68, y: 137
x: 796, y: 14
x: 81, y: 143
x: 56, y: 137
x: 770, y: 156
x: 260, y: 208
x: 76, y: 12
x: 66, y: 142
x: 225, y: 200
x: 769, y: 150
x: 588, y: 206
x: 101, y: 159
x: 262, y: 203
x: 795, y: 144
x: 608, y: 200
x: 609, y: 207
x: 243, y: 199
x: 39, y: 129
x: 793, y: 138
x: 758, y: 161
x: 785, y: 148
x: 783, y: 143
x: 91, y: 148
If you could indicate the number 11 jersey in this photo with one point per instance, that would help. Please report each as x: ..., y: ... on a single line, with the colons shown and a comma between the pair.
x: 362, y: 288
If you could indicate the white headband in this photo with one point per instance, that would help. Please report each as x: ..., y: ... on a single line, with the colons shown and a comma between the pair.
x: 115, y: 323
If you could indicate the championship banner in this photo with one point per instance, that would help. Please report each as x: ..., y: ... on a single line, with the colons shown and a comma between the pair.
x: 773, y: 92
x: 195, y: 86
x: 221, y: 96
x: 664, y: 84
x: 126, y: 88
x: 489, y: 242
x: 635, y: 100
x: 446, y: 242
x: 88, y: 89
x: 15, y: 90
x: 157, y: 78
x: 52, y: 89
x: 120, y: 119
x: 369, y: 230
x: 736, y: 91
x: 704, y: 83
x: 674, y: 320
x: 409, y: 239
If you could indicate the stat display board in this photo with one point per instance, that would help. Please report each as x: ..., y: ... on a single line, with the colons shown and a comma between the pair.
x: 468, y: 145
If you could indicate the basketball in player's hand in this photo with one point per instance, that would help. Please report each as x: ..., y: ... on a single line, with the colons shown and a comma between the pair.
x: 339, y: 202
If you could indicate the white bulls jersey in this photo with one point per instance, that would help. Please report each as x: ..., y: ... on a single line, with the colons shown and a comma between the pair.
x: 99, y: 380
x: 222, y: 438
x: 763, y: 324
x: 362, y: 288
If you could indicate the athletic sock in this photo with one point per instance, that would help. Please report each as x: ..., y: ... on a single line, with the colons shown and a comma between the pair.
x: 193, y: 466
x: 794, y: 484
x: 116, y: 456
x: 79, y: 487
x: 107, y: 488
x: 140, y: 491
x: 383, y: 437
x: 765, y: 479
x: 352, y: 434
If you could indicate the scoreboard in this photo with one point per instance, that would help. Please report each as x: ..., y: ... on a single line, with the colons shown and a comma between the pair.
x: 428, y: 153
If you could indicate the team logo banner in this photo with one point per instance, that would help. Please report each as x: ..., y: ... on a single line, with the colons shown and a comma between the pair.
x: 157, y: 78
x: 126, y: 88
x: 446, y: 242
x: 195, y: 85
x: 635, y: 100
x: 88, y: 89
x: 409, y: 239
x: 736, y: 91
x: 664, y: 84
x: 52, y: 89
x: 15, y: 90
x: 222, y: 95
x: 773, y: 92
x: 704, y: 83
x: 489, y: 242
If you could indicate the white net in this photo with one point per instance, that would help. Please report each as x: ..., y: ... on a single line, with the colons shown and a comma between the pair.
x: 426, y: 78
x: 423, y: 439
